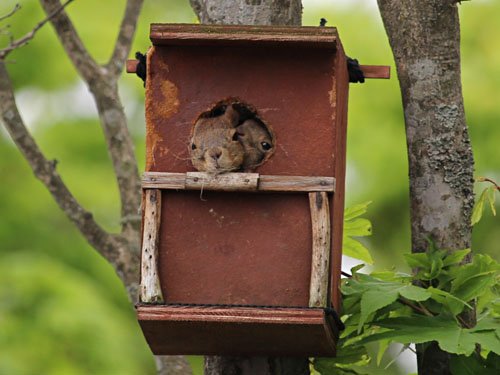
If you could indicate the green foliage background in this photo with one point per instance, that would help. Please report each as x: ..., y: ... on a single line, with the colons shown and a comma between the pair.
x: 62, y: 309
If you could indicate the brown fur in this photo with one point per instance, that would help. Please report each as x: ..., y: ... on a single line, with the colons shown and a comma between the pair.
x: 216, y: 145
x: 220, y: 143
x: 253, y: 136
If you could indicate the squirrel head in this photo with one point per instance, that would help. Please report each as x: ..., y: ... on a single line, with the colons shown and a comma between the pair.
x: 215, y: 146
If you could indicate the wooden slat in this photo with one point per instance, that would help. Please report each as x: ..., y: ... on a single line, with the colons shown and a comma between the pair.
x: 320, y: 218
x: 163, y: 180
x: 131, y: 66
x: 150, y: 281
x: 296, y: 183
x: 376, y: 71
x: 237, y: 182
x: 232, y: 313
x: 194, y: 34
x: 222, y: 182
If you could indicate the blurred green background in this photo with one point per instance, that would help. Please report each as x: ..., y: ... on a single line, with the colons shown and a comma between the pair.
x: 62, y: 308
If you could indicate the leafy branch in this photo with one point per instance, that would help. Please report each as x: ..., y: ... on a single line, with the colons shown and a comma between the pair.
x: 422, y: 308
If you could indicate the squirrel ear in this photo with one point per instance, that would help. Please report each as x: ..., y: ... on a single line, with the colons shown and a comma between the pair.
x: 232, y: 115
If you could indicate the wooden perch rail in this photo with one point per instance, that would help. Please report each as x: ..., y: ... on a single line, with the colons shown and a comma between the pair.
x: 376, y: 71
x: 237, y: 182
x: 131, y: 66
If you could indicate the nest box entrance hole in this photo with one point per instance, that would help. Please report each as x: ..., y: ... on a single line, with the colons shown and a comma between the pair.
x: 230, y: 136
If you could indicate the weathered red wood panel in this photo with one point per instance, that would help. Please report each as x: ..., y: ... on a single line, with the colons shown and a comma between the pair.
x: 238, y: 331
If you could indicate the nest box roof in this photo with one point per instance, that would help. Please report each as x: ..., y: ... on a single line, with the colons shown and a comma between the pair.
x: 187, y: 34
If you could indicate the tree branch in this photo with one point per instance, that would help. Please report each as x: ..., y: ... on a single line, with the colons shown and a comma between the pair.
x: 71, y: 42
x: 11, y: 13
x: 485, y: 179
x: 45, y: 170
x: 103, y: 85
x: 14, y: 44
x: 125, y: 36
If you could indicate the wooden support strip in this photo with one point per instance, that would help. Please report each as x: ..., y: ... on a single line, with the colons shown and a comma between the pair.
x: 296, y: 183
x: 163, y: 180
x: 320, y: 218
x: 131, y: 66
x: 150, y: 281
x: 376, y: 71
x: 237, y: 182
x: 222, y: 182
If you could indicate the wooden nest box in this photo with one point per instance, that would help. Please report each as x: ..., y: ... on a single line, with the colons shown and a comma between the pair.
x: 245, y: 263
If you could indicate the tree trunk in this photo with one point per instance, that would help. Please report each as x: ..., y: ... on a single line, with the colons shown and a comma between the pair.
x: 425, y: 39
x: 252, y: 12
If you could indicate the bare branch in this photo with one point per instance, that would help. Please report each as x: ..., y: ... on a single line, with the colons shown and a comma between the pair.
x: 103, y: 85
x: 11, y: 13
x: 125, y: 36
x: 72, y: 44
x: 30, y: 35
x: 45, y: 170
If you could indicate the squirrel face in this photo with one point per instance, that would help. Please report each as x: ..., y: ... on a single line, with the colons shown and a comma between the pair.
x: 215, y: 146
x: 229, y: 140
x: 256, y: 141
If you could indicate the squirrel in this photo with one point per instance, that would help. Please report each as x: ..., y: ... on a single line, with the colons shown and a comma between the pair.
x: 215, y: 146
x: 257, y: 143
x: 228, y: 141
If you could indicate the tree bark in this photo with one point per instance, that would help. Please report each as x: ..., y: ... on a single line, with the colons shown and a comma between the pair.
x: 252, y: 12
x: 425, y: 39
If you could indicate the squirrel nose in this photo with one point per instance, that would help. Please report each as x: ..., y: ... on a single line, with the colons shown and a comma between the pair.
x: 215, y: 154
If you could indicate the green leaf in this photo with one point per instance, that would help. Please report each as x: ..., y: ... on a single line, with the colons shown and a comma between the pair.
x: 420, y: 260
x: 383, y: 345
x: 455, y: 305
x: 491, y: 199
x: 356, y: 249
x: 455, y: 257
x: 377, y: 294
x: 473, y: 365
x: 477, y: 212
x: 488, y: 301
x: 475, y: 286
x: 356, y: 210
x: 486, y: 324
x: 420, y: 329
x: 414, y: 293
x: 357, y: 228
x: 436, y: 266
x: 372, y: 301
x: 488, y: 340
x: 473, y: 279
x: 356, y: 268
x: 346, y: 358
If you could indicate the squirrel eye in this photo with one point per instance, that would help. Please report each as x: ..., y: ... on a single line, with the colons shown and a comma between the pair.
x: 235, y: 136
x: 266, y: 146
x: 193, y: 146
